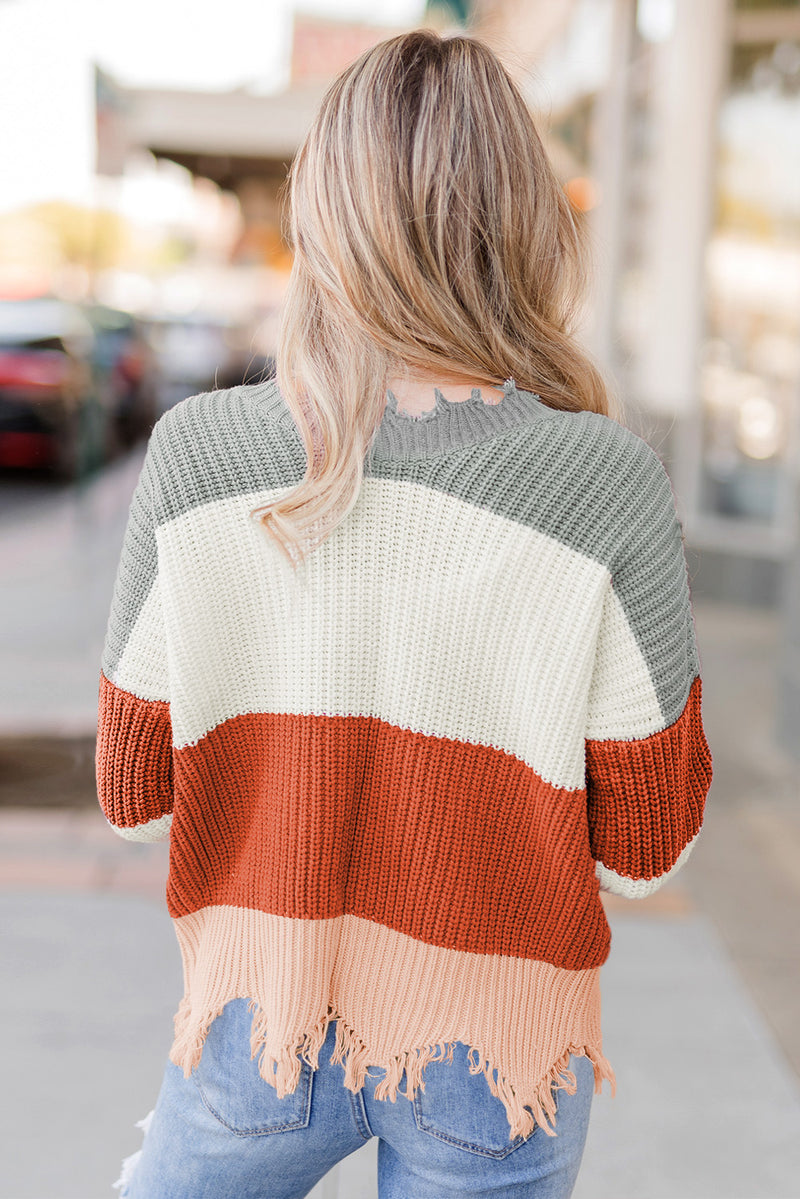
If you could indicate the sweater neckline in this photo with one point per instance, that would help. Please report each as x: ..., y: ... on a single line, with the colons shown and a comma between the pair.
x: 450, y: 424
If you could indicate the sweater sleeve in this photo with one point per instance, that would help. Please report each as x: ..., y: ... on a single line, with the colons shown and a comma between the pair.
x: 648, y: 765
x: 133, y: 758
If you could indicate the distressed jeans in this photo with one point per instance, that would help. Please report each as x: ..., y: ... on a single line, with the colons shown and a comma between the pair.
x: 223, y: 1133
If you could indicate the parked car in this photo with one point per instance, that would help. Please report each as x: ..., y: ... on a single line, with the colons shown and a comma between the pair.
x: 127, y: 372
x: 50, y: 413
x: 190, y: 351
x: 199, y: 352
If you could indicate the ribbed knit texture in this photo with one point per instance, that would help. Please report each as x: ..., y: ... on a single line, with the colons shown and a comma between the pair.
x: 395, y: 782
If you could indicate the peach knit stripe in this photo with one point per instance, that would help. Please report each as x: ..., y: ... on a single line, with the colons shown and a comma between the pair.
x: 646, y: 798
x: 391, y: 618
x: 133, y: 758
x: 521, y: 1018
x: 456, y: 845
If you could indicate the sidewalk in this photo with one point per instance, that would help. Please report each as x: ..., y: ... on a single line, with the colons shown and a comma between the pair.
x: 700, y: 993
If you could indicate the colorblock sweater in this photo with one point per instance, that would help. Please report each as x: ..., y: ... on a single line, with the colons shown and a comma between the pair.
x: 395, y: 782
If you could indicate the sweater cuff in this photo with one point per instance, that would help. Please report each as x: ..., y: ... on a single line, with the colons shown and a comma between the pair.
x: 133, y: 763
x: 646, y: 800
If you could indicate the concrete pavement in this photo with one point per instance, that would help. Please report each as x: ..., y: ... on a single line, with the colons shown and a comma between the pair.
x: 59, y: 561
x: 700, y: 993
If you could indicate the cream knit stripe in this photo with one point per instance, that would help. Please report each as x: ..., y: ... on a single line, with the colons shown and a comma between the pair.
x: 492, y: 647
x: 640, y: 888
x: 622, y: 704
x: 579, y: 478
x: 142, y: 667
x: 150, y: 830
x: 596, y: 487
x: 522, y: 1017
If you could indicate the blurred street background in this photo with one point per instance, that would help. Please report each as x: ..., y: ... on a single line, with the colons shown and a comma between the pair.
x: 142, y: 153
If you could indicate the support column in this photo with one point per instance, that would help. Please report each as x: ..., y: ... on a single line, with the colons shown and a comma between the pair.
x: 610, y: 157
x: 689, y: 72
x: 788, y: 714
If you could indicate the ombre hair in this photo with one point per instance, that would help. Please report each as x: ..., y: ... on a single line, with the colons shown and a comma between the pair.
x: 430, y: 235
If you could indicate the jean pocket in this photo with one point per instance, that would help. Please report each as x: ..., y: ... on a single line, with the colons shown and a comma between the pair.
x: 458, y: 1108
x: 232, y: 1089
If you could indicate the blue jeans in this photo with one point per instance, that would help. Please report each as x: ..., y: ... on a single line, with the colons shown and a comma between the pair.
x: 223, y: 1133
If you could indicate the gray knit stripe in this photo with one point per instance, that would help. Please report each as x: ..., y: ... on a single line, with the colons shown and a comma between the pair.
x: 219, y: 444
x: 577, y: 477
x: 136, y: 571
x: 447, y: 427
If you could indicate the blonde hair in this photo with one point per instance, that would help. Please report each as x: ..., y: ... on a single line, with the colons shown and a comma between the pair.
x: 430, y: 234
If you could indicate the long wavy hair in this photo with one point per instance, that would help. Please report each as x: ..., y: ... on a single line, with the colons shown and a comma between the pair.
x: 430, y: 235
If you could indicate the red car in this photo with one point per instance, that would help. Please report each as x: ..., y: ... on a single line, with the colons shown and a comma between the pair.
x: 49, y: 415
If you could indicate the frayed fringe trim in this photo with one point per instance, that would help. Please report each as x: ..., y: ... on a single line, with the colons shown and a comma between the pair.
x: 130, y: 1163
x: 283, y: 1071
x: 525, y: 1110
x: 542, y: 1103
x: 187, y: 1047
x: 354, y: 1055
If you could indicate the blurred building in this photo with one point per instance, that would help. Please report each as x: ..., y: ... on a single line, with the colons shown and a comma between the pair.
x: 242, y: 140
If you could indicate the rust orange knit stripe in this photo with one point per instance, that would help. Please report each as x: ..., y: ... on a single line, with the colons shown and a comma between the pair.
x: 133, y: 756
x: 457, y: 845
x: 646, y: 797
